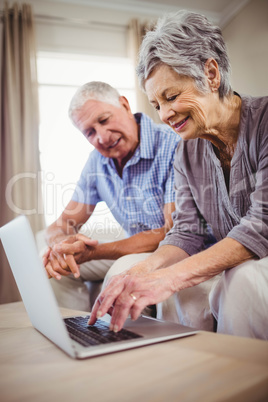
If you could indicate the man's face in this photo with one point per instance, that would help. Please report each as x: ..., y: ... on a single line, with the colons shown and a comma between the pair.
x: 112, y: 130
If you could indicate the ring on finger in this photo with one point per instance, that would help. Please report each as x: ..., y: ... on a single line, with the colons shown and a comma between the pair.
x: 133, y: 296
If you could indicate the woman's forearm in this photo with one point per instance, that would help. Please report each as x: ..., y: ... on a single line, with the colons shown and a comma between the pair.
x: 200, y: 267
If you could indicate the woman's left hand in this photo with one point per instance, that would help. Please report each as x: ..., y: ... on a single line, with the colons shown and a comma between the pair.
x: 129, y: 294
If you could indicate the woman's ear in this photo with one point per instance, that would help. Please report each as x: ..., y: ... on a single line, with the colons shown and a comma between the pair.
x: 213, y: 74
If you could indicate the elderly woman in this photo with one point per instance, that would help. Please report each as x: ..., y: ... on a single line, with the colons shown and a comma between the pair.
x: 221, y: 176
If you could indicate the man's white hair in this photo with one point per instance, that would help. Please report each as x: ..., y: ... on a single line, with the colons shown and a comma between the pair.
x: 95, y: 90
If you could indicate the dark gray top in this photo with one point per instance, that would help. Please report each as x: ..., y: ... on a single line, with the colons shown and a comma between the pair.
x: 201, y: 194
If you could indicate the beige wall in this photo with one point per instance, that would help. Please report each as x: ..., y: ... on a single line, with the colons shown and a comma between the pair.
x: 246, y: 36
x: 71, y: 28
x: 247, y: 40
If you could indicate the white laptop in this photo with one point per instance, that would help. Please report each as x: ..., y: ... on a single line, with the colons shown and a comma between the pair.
x: 42, y: 308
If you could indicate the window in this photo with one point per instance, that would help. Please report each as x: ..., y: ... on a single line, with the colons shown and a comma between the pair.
x: 63, y: 149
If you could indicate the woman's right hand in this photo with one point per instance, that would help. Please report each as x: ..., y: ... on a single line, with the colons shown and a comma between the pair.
x: 128, y: 294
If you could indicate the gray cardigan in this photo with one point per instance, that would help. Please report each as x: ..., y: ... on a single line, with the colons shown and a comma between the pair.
x: 202, y: 198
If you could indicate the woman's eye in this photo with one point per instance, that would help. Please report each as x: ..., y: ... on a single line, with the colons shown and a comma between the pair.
x: 172, y: 98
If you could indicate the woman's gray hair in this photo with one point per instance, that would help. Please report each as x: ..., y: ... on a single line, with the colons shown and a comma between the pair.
x: 95, y: 90
x: 185, y: 41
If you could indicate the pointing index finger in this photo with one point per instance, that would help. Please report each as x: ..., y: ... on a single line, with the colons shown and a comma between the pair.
x: 93, y: 315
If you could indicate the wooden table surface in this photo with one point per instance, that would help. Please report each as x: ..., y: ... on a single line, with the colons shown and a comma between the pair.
x: 203, y: 367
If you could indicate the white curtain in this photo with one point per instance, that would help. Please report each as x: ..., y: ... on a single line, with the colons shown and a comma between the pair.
x: 20, y: 170
x: 136, y: 32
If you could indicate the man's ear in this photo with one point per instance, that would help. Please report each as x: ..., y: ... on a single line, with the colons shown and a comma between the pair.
x: 125, y: 104
x: 213, y: 74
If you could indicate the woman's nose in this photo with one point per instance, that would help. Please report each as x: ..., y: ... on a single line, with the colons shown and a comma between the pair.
x: 165, y: 113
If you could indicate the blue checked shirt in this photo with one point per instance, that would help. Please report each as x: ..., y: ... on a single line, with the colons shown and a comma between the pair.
x: 137, y: 199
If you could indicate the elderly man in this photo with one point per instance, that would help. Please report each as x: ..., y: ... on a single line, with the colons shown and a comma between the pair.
x: 131, y: 169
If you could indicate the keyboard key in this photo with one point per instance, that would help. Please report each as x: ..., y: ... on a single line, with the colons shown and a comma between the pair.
x: 97, y: 334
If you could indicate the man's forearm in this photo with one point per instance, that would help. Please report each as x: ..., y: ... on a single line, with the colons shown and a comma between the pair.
x: 143, y: 242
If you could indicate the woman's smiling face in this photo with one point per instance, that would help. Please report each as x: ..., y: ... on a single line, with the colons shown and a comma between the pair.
x: 178, y: 102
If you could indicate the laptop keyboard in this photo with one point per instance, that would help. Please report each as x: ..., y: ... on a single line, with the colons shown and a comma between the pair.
x: 97, y: 334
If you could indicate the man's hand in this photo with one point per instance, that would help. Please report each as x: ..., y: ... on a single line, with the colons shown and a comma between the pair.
x: 63, y: 258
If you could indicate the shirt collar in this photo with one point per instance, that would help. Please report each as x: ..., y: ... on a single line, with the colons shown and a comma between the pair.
x: 146, y: 140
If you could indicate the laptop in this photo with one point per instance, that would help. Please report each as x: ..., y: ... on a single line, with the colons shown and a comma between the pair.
x: 72, y: 334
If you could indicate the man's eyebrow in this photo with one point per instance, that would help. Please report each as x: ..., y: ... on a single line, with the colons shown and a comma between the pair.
x: 100, y: 116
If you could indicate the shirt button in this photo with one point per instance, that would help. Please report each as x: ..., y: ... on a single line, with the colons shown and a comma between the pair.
x: 128, y: 198
x: 133, y: 225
